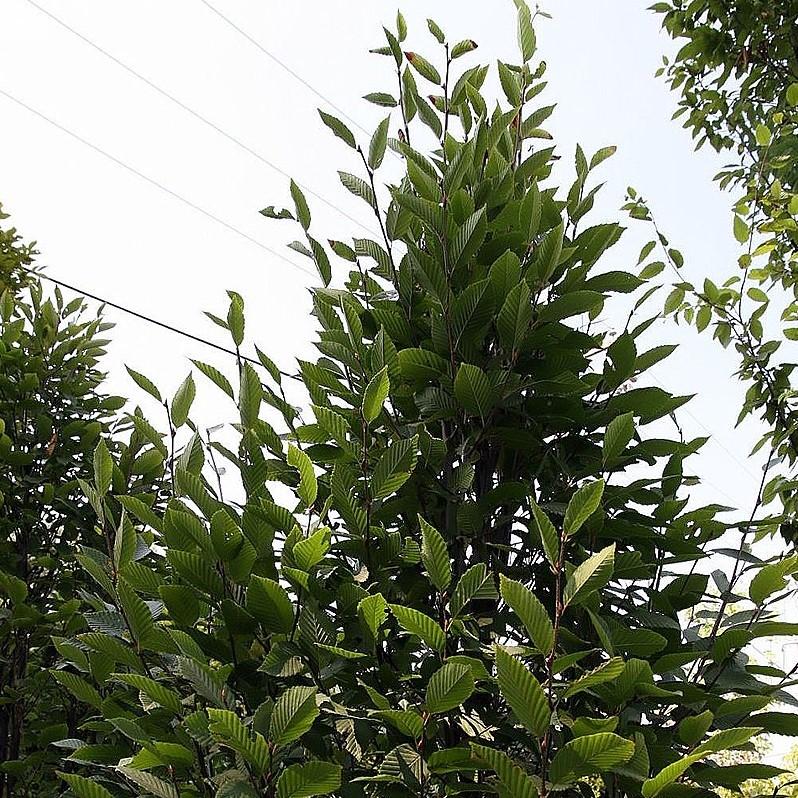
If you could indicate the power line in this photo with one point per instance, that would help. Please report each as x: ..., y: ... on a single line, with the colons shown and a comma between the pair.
x: 712, y: 436
x: 42, y: 276
x: 197, y: 115
x: 155, y: 183
x: 283, y: 65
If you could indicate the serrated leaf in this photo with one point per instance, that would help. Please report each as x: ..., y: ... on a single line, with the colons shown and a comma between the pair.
x: 293, y: 715
x: 182, y: 401
x: 375, y: 395
x: 582, y: 505
x: 517, y: 782
x: 309, y: 779
x: 473, y: 390
x: 548, y: 534
x: 523, y: 693
x: 416, y: 623
x: 531, y: 612
x: 83, y: 787
x: 590, y: 754
x: 515, y: 317
x: 270, y: 605
x: 435, y: 556
x: 371, y: 611
x: 301, y: 205
x: 103, y: 468
x: 476, y: 582
x: 308, y: 485
x: 145, y: 384
x: 449, y: 687
x: 378, y: 142
x: 590, y: 575
x: 617, y: 436
x: 339, y: 128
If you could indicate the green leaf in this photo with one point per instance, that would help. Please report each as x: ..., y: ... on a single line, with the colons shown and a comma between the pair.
x: 602, y: 155
x: 145, y: 384
x: 310, y: 551
x: 693, y: 728
x: 763, y: 135
x: 103, y: 468
x: 416, y: 623
x: 435, y: 556
x: 463, y: 47
x: 523, y: 693
x: 293, y: 715
x: 741, y: 230
x: 548, y: 534
x: 371, y: 611
x: 589, y: 754
x: 83, y: 787
x: 359, y: 187
x: 375, y: 395
x: 407, y: 721
x: 768, y: 579
x: 181, y: 403
x: 137, y: 613
x: 582, y: 505
x: 515, y: 317
x: 216, y: 376
x: 530, y: 611
x: 301, y: 205
x: 526, y: 33
x: 378, y: 142
x: 228, y: 729
x: 617, y: 436
x: 476, y: 582
x: 449, y: 687
x: 155, y: 691
x: 339, y: 128
x: 394, y: 467
x: 421, y: 364
x: 308, y: 485
x: 589, y: 576
x: 424, y: 68
x: 473, y: 390
x: 309, y: 779
x: 606, y: 672
x: 517, y: 782
x: 381, y: 98
x: 79, y: 687
x: 792, y: 94
x: 268, y: 602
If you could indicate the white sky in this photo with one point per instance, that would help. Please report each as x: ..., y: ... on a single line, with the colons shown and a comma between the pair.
x: 107, y: 230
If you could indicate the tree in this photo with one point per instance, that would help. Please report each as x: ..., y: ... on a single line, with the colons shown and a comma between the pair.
x: 738, y: 78
x: 469, y: 571
x: 53, y: 412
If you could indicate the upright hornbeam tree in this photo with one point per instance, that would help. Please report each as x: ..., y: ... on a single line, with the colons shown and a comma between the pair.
x: 463, y: 568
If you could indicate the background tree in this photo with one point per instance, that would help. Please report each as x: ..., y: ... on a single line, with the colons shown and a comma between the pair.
x: 472, y: 571
x: 53, y: 412
x: 737, y: 75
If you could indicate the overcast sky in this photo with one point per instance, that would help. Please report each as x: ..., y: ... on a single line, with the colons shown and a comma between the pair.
x: 102, y: 227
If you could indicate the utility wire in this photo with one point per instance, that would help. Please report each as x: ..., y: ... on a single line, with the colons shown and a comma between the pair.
x: 155, y: 183
x: 197, y: 115
x: 283, y: 65
x: 83, y: 292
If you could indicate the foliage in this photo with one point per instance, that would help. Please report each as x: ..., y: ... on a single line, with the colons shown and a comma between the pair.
x: 468, y: 573
x: 52, y: 414
x: 15, y: 257
x: 738, y: 78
